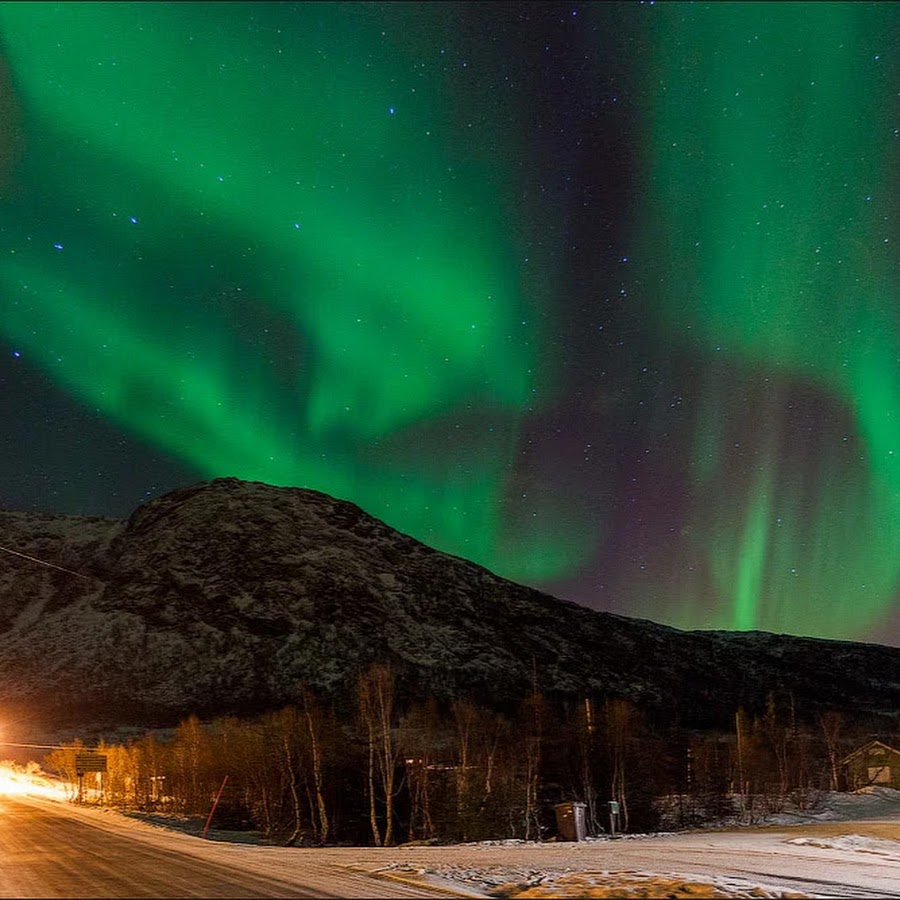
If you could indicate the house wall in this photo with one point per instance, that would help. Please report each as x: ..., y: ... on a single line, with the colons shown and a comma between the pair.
x: 876, y: 766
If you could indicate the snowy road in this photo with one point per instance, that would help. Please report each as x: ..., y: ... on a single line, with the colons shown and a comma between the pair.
x: 52, y: 849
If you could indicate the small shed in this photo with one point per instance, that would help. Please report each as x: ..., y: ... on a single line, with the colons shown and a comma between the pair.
x: 875, y: 763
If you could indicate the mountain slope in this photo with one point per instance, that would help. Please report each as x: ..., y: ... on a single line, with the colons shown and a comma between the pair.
x: 225, y: 596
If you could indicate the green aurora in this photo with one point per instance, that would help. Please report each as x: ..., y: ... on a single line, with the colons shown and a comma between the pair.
x: 770, y: 166
x: 247, y: 235
x: 365, y: 316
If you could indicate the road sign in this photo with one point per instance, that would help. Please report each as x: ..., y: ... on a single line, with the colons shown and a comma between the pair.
x: 90, y: 762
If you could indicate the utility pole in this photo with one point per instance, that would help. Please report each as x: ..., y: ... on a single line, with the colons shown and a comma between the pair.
x: 740, y: 753
x: 215, y: 804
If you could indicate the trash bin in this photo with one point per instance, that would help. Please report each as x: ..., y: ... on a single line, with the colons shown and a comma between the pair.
x: 570, y: 820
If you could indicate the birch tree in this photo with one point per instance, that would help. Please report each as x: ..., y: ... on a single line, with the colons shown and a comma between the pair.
x: 375, y: 694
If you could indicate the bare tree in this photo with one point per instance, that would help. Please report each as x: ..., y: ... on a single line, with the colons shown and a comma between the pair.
x: 487, y: 779
x: 618, y: 716
x: 62, y: 762
x: 533, y: 713
x: 421, y: 739
x: 585, y: 736
x: 287, y: 725
x: 464, y: 717
x: 190, y: 751
x: 375, y: 692
x: 832, y: 725
x: 312, y: 716
x: 776, y: 737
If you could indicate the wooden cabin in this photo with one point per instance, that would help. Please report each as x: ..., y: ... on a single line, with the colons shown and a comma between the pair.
x: 875, y: 763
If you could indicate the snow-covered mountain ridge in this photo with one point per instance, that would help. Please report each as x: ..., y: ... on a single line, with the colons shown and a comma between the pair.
x: 226, y: 596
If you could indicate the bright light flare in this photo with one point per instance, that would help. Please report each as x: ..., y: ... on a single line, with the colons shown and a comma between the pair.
x: 28, y: 781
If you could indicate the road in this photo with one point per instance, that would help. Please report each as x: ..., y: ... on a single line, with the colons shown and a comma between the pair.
x: 55, y: 850
x: 51, y: 850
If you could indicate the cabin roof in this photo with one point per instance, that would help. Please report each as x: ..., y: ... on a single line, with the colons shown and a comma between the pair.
x: 869, y: 745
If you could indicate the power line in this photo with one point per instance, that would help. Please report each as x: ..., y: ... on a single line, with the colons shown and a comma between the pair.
x: 41, y: 746
x: 51, y: 565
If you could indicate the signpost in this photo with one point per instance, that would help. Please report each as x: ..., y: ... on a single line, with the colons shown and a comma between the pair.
x: 88, y: 762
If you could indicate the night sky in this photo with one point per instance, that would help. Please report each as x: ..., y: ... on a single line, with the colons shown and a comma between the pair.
x: 603, y: 297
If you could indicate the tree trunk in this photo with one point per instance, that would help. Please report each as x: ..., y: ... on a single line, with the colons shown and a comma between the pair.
x: 317, y: 769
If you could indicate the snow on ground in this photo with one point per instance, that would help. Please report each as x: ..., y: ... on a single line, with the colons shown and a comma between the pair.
x: 809, y: 855
x: 526, y: 882
x: 874, y: 802
x: 857, y: 842
x: 880, y: 805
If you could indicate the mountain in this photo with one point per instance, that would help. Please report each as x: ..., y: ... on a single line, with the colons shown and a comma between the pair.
x: 226, y: 596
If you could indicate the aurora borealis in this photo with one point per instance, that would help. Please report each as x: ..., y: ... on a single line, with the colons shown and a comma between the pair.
x: 603, y: 297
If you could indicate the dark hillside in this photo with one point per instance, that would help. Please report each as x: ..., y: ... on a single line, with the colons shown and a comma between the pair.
x: 225, y: 596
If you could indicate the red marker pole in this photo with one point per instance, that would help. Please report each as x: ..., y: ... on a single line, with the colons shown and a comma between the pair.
x: 215, y: 804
